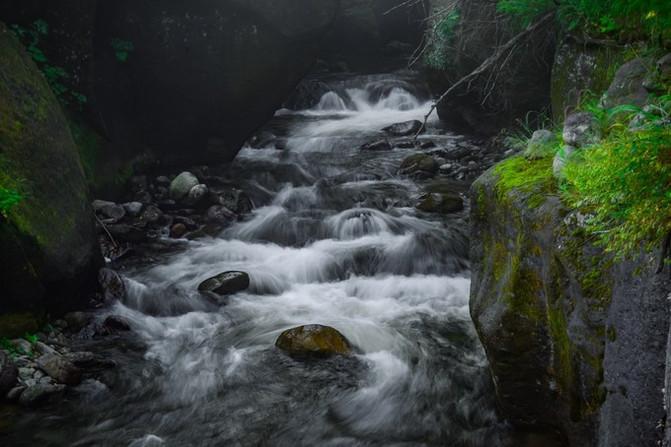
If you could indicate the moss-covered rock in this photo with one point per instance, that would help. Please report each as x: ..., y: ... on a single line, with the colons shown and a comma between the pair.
x: 47, y: 240
x: 580, y: 70
x: 544, y: 301
x: 313, y: 340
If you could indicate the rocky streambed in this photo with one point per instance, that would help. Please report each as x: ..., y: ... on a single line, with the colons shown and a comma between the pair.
x: 338, y: 236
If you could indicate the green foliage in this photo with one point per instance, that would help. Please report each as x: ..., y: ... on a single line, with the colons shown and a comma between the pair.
x: 8, y: 199
x: 122, y: 49
x: 14, y: 351
x: 438, y: 54
x: 56, y: 76
x: 624, y: 183
x: 629, y: 19
x: 530, y: 177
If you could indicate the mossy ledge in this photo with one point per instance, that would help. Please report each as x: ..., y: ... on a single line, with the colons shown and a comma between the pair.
x: 545, y: 302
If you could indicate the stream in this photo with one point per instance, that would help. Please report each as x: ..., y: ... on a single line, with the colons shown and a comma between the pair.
x: 335, y: 239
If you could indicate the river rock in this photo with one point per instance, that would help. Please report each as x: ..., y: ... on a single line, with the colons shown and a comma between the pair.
x: 419, y: 165
x: 109, y: 210
x: 313, y: 340
x: 235, y: 200
x: 440, y: 203
x: 127, y: 233
x: 182, y: 185
x: 541, y: 144
x: 581, y: 129
x: 151, y: 215
x: 112, y: 285
x: 219, y: 214
x: 60, y: 369
x: 8, y: 373
x: 379, y: 145
x: 197, y: 195
x: 39, y: 393
x: 133, y: 209
x: 178, y: 230
x: 226, y: 283
x: 404, y: 129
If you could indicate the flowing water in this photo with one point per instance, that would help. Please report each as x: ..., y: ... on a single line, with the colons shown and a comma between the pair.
x: 335, y: 240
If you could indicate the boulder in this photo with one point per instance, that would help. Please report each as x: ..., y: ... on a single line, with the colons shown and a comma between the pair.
x: 40, y: 393
x: 581, y: 129
x: 127, y: 233
x: 60, y: 369
x: 8, y: 374
x: 404, y: 129
x: 541, y: 144
x: 378, y: 145
x: 628, y: 86
x: 419, y: 165
x: 313, y: 340
x: 182, y: 185
x: 226, y: 283
x: 48, y: 245
x: 440, y: 203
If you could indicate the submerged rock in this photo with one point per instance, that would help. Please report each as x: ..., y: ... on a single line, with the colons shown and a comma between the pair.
x: 404, y: 129
x: 182, y: 185
x: 37, y: 394
x: 440, y: 203
x: 313, y: 340
x: 379, y: 145
x: 226, y: 283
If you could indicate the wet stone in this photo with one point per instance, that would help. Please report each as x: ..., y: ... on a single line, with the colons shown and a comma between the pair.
x: 226, y: 283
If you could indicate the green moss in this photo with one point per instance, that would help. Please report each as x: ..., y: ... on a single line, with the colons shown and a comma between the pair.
x: 558, y: 331
x: 531, y: 178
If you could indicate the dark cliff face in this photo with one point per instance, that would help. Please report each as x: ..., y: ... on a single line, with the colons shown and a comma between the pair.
x: 202, y: 75
x: 575, y: 339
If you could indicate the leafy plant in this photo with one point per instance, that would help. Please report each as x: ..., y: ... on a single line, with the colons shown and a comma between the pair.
x: 56, y: 76
x: 624, y: 183
x: 617, y: 18
x: 122, y: 49
x: 8, y: 199
x: 438, y: 54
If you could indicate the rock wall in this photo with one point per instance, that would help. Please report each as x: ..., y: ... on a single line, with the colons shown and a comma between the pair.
x: 48, y: 246
x: 575, y: 340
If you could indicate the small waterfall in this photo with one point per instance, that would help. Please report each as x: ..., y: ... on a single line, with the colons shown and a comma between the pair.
x: 331, y: 102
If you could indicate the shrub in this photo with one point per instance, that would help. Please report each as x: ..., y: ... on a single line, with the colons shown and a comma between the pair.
x: 629, y: 19
x: 8, y: 198
x: 624, y: 183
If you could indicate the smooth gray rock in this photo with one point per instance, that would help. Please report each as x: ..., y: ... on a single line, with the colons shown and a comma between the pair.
x: 182, y: 185
x: 60, y: 369
x: 109, y: 210
x: 581, y: 129
x: 133, y: 209
x: 561, y: 158
x: 197, y: 194
x: 541, y: 144
x: 226, y: 283
x: 628, y: 86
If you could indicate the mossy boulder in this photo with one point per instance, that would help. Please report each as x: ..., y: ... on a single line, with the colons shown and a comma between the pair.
x: 544, y: 300
x: 313, y: 340
x: 48, y: 245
